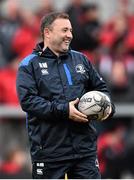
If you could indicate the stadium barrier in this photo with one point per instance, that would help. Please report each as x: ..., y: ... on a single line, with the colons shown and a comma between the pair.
x: 122, y: 110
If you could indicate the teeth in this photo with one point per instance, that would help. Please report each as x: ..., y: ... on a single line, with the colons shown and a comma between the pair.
x: 67, y: 41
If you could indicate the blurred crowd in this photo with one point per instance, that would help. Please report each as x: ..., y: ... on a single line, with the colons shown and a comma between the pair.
x: 110, y: 47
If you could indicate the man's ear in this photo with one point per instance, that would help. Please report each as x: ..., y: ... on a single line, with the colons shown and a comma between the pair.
x: 46, y: 32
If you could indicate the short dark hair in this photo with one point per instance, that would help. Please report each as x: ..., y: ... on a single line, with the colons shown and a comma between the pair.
x: 48, y: 19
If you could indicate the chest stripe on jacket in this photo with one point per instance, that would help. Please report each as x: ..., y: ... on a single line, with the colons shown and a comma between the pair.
x: 68, y: 74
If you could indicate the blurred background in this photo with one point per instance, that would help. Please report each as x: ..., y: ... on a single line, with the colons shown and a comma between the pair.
x: 104, y: 32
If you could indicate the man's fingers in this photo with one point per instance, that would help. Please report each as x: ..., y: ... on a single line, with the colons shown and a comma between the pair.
x: 78, y: 113
x: 75, y: 114
x: 79, y: 119
x: 78, y: 116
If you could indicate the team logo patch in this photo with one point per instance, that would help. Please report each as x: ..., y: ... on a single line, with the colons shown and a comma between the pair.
x: 44, y: 68
x: 40, y: 164
x: 40, y: 167
x: 40, y: 171
x: 80, y: 69
x: 44, y: 71
x: 43, y: 65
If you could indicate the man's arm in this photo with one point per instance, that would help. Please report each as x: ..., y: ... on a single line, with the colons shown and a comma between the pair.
x: 32, y: 103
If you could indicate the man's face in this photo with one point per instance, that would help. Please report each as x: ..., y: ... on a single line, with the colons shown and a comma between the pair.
x: 60, y: 36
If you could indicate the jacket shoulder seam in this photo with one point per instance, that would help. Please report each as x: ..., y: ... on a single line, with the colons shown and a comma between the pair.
x: 76, y: 52
x: 27, y: 60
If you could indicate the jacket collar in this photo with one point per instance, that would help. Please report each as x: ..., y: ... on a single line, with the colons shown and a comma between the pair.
x: 47, y: 52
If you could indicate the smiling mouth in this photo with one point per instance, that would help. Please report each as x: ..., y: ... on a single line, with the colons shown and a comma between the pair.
x: 67, y: 42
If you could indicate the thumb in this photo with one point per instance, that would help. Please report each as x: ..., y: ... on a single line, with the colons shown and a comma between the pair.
x: 76, y: 101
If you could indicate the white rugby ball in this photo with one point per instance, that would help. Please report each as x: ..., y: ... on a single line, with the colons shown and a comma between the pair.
x: 95, y: 104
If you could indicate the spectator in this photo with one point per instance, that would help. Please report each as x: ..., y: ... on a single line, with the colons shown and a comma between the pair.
x: 8, y: 94
x: 14, y: 166
x: 89, y: 38
x: 8, y: 26
x: 46, y: 7
x: 75, y: 12
x: 28, y: 29
x: 110, y: 150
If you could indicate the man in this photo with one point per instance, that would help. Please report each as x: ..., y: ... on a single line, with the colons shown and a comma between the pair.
x: 50, y: 82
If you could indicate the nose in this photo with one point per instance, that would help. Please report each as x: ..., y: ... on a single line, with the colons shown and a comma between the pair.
x: 69, y: 34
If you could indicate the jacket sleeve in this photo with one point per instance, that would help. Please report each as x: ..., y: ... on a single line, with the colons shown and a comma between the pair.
x: 34, y: 104
x: 97, y: 83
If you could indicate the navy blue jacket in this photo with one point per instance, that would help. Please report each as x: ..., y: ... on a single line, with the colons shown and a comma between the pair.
x: 45, y: 85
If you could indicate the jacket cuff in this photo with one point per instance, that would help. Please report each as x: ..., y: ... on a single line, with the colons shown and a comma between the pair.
x: 66, y: 111
x: 62, y: 110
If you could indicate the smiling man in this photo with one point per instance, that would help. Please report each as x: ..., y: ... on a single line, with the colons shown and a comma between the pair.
x: 50, y: 82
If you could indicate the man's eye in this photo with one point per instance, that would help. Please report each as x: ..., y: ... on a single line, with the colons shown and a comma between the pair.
x: 64, y: 30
